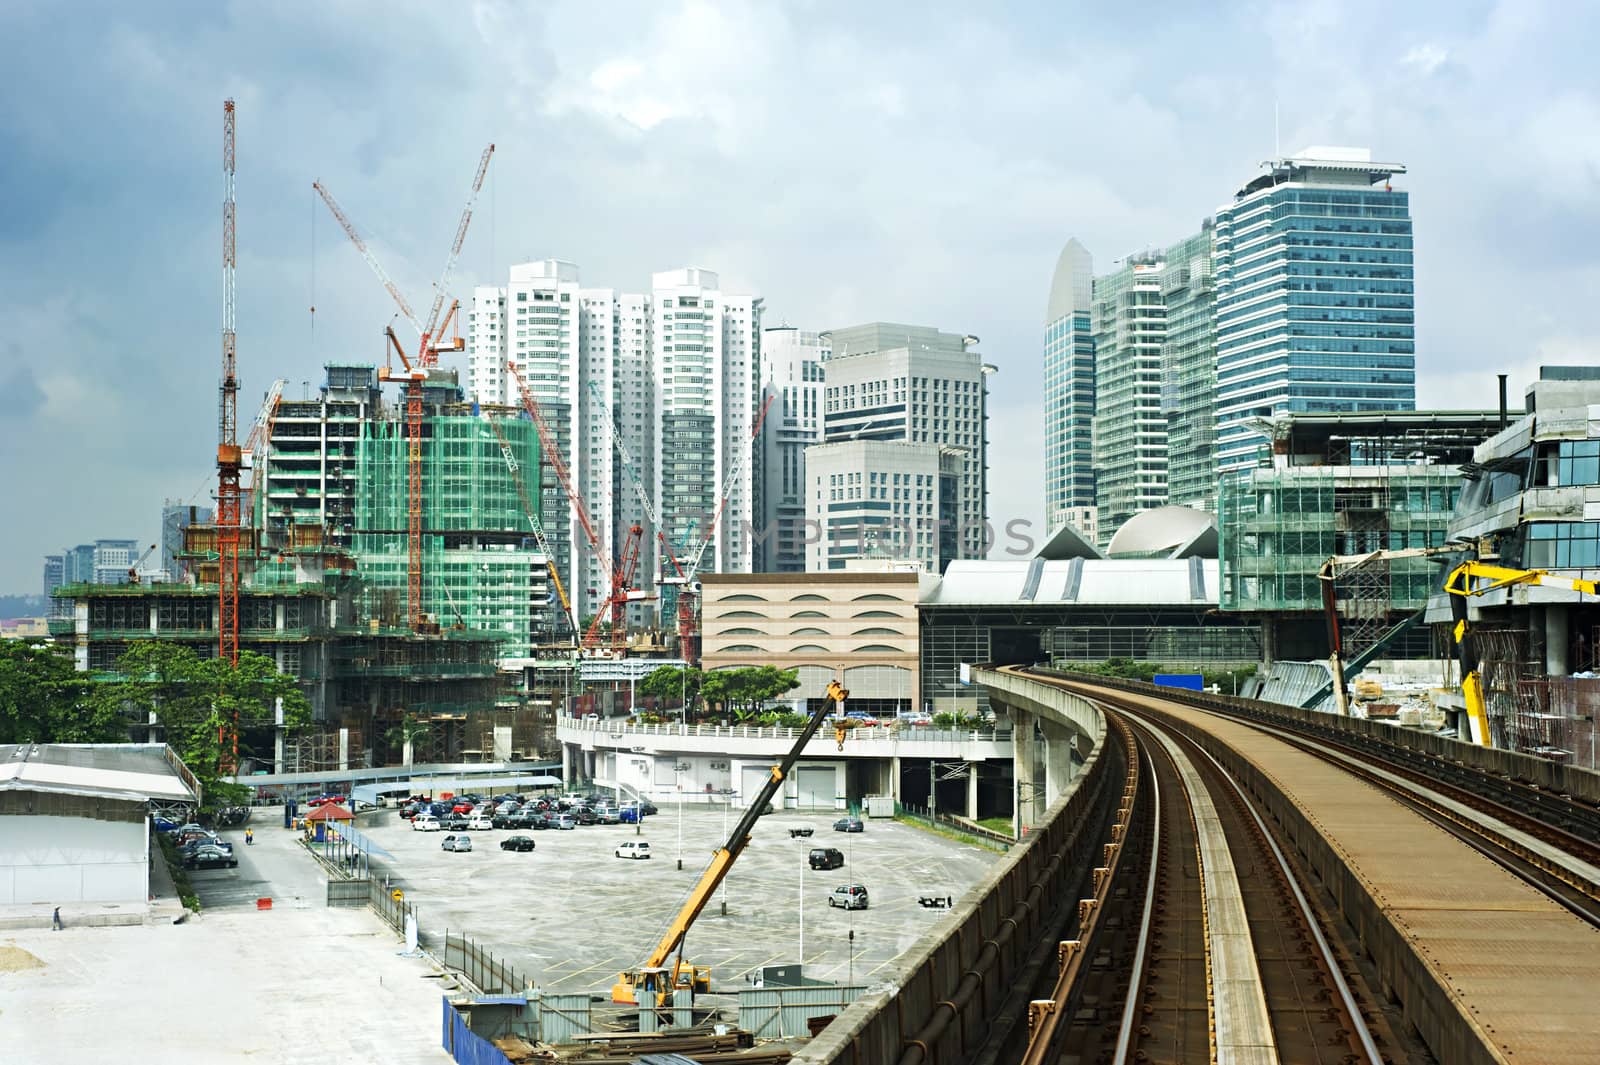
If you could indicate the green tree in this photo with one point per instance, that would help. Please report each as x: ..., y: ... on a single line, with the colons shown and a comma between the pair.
x: 44, y: 699
x: 744, y: 691
x: 198, y: 700
x: 671, y: 682
x: 1126, y: 668
x: 405, y: 736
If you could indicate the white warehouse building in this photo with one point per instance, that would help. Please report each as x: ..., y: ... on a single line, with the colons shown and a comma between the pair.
x: 75, y: 820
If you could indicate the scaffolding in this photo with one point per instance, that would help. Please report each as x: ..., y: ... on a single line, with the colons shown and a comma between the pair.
x: 482, y: 569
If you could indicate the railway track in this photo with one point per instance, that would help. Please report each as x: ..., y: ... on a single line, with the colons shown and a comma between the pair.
x: 1206, y: 947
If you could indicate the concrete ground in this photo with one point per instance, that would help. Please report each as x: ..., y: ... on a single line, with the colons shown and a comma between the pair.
x: 299, y: 984
x: 570, y: 915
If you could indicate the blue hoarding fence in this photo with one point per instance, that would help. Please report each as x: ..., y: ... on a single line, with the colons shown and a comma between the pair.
x: 1192, y: 681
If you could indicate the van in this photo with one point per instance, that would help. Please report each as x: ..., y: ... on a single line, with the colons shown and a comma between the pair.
x: 634, y: 849
x: 826, y: 858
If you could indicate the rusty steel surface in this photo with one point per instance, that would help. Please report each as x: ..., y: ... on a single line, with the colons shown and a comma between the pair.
x: 1519, y: 968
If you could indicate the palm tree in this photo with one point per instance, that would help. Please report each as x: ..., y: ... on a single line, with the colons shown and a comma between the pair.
x: 405, y: 735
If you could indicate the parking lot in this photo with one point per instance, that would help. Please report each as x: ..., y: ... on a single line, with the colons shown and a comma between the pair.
x: 570, y: 915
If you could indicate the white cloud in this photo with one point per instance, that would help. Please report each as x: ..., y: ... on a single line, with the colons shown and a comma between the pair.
x: 1426, y: 58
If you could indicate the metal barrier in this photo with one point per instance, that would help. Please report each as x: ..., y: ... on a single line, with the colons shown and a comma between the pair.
x: 348, y: 894
x: 983, y: 836
x: 490, y: 975
x: 465, y: 1046
x: 785, y: 1012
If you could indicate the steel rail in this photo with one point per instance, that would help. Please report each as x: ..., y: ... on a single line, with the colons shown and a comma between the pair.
x: 1131, y: 1006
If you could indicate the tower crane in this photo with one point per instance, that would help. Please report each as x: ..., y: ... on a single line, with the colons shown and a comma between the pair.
x: 416, y: 369
x: 229, y: 456
x: 533, y: 521
x: 623, y: 565
x: 255, y: 446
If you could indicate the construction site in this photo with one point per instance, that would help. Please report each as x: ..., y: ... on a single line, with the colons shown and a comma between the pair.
x: 401, y: 555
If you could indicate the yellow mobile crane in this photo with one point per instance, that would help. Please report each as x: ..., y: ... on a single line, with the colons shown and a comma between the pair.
x: 1462, y: 582
x: 654, y: 974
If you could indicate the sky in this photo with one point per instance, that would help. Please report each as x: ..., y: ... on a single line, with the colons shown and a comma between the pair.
x: 916, y: 162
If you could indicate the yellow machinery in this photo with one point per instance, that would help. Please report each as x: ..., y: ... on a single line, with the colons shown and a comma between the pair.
x: 655, y: 974
x: 1475, y: 578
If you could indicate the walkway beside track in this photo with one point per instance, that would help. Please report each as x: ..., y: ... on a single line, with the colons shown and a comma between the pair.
x: 1487, y: 967
x: 1242, y: 1029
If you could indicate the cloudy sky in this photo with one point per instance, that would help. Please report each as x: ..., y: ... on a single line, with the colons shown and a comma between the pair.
x: 919, y: 162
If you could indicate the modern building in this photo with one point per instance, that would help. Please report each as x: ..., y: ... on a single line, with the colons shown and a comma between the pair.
x: 877, y: 499
x: 792, y: 367
x: 1343, y: 484
x: 671, y: 373
x: 55, y: 574
x: 1069, y: 393
x: 102, y: 562
x: 1189, y: 370
x: 114, y: 559
x: 857, y: 626
x: 1531, y: 499
x: 76, y: 825
x: 175, y: 518
x: 891, y: 383
x: 306, y: 487
x: 1314, y: 296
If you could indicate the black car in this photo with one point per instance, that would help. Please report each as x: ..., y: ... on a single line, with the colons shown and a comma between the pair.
x: 517, y: 843
x: 206, y: 856
x: 826, y: 858
x: 585, y: 816
x: 849, y: 824
x: 506, y: 821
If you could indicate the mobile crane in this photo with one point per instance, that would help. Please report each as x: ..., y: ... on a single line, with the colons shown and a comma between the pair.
x: 1464, y: 581
x: 654, y: 974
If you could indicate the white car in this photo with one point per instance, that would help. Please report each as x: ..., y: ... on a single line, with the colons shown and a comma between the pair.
x: 634, y: 849
x: 426, y: 824
x: 479, y: 823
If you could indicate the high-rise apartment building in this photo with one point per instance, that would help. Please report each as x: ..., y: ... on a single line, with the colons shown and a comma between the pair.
x: 1314, y: 304
x: 673, y: 371
x: 1155, y: 376
x: 1069, y: 393
x: 307, y: 487
x: 792, y: 365
x: 913, y: 385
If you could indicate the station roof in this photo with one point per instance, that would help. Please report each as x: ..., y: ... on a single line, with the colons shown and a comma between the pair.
x: 1045, y: 583
x: 134, y: 772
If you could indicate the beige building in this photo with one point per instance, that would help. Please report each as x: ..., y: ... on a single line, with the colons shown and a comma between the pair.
x: 858, y: 626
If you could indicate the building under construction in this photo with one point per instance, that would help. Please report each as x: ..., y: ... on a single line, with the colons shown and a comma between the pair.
x: 1344, y: 484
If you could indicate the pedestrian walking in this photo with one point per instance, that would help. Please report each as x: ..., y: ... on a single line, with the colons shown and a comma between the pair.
x: 249, y: 836
x: 55, y: 920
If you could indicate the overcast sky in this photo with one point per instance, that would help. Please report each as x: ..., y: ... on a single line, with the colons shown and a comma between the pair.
x: 920, y: 162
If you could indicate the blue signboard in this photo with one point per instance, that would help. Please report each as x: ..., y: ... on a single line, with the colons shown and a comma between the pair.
x: 1192, y: 681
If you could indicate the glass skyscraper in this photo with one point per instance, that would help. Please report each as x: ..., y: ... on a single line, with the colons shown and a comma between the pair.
x: 1314, y: 304
x: 1069, y: 393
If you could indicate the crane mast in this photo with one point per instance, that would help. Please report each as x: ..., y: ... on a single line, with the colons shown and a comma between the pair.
x: 230, y: 459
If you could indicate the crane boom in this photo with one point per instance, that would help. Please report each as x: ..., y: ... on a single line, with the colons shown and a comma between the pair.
x: 690, y: 978
x: 533, y: 521
x: 632, y: 470
x: 430, y: 356
x: 366, y: 253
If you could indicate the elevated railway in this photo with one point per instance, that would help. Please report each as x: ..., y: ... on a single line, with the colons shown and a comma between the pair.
x: 1254, y: 886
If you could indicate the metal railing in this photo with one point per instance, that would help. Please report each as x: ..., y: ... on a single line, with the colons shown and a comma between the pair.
x: 616, y: 729
x: 987, y: 836
x: 487, y: 973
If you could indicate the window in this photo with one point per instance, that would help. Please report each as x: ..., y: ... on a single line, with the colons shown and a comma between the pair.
x: 809, y: 614
x: 807, y: 649
x: 809, y: 631
x: 876, y: 648
x: 742, y: 632
x: 876, y: 630
x: 877, y: 614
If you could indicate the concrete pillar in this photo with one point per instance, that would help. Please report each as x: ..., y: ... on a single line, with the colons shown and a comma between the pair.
x: 1556, y: 638
x: 1025, y: 800
x: 894, y: 777
x: 277, y: 736
x: 1269, y: 642
x: 1057, y: 762
x: 344, y: 748
x: 566, y: 763
x: 973, y: 769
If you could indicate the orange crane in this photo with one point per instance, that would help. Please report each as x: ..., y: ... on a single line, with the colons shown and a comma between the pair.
x: 415, y: 372
x: 623, y: 566
x: 532, y: 512
x: 230, y: 458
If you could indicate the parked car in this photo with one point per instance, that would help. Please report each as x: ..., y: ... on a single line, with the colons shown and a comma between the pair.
x: 849, y: 824
x: 500, y: 820
x: 480, y: 823
x: 607, y: 816
x: 208, y: 857
x: 517, y: 843
x: 454, y: 822
x: 849, y: 896
x: 164, y: 824
x: 208, y: 841
x: 456, y: 841
x: 647, y: 806
x: 426, y: 823
x: 584, y: 816
x: 183, y: 837
x: 826, y: 858
x: 461, y: 806
x: 566, y: 822
x: 634, y: 849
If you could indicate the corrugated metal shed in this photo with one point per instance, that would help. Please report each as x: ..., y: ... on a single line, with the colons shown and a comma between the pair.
x: 135, y: 772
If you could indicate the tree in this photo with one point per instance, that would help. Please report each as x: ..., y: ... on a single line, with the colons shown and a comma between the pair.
x: 198, y: 701
x: 405, y: 735
x: 744, y: 691
x: 671, y: 682
x: 44, y: 699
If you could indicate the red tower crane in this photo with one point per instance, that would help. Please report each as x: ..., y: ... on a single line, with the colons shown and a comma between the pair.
x: 624, y: 565
x: 230, y: 458
x: 415, y: 372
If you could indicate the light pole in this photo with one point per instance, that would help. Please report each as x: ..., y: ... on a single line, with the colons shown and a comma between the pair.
x: 726, y: 800
x: 802, y: 920
x: 678, y: 771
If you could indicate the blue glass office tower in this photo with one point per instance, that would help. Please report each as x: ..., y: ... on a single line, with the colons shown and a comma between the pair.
x: 1315, y: 307
x: 1069, y: 393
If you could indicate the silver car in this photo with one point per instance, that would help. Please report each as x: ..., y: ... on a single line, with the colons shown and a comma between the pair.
x: 456, y: 842
x: 849, y: 896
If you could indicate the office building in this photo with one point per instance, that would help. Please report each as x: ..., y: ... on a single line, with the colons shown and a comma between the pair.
x: 792, y: 365
x: 1069, y: 393
x: 1314, y: 302
x: 176, y: 517
x: 911, y: 385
